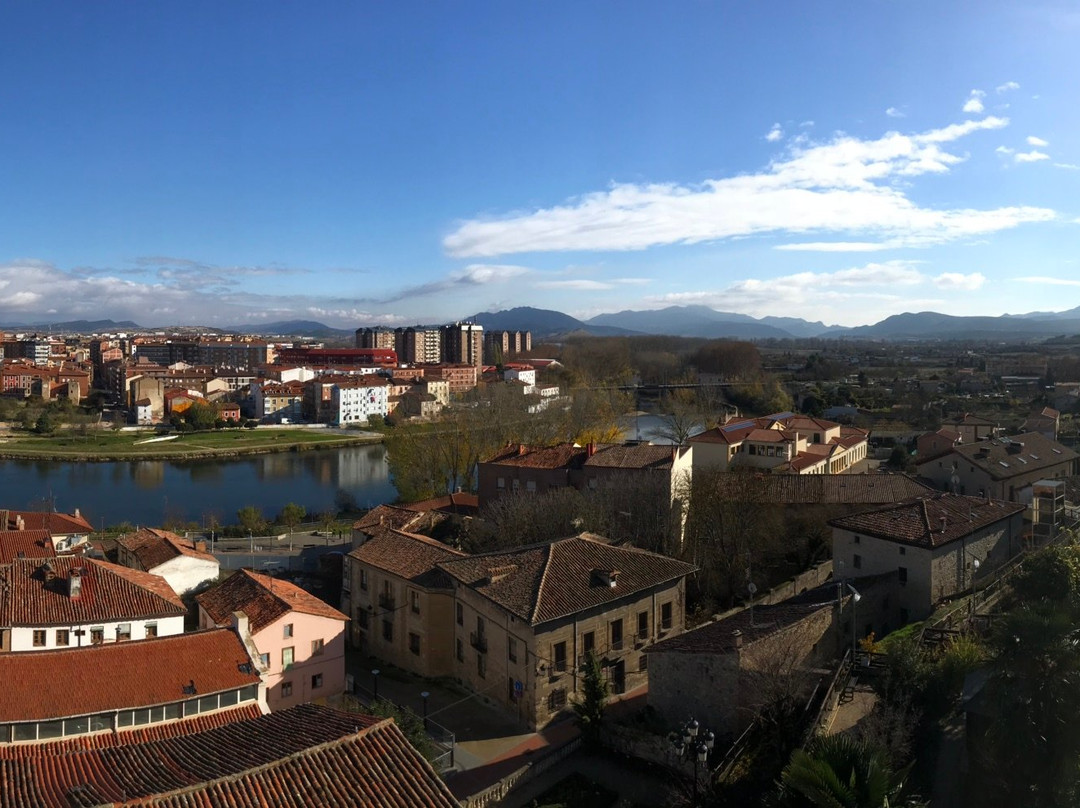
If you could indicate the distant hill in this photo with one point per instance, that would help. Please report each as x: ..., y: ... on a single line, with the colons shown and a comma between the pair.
x: 77, y: 326
x: 294, y: 328
x: 932, y: 325
x: 541, y: 322
x: 698, y: 321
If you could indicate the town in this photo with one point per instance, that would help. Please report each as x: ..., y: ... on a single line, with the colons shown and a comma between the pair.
x: 814, y: 550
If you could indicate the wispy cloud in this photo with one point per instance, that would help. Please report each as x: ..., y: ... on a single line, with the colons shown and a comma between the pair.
x: 1036, y: 141
x: 1006, y: 87
x: 893, y: 112
x: 1032, y: 156
x: 958, y: 280
x: 974, y: 104
x: 775, y: 133
x: 580, y: 284
x: 471, y: 276
x: 845, y: 185
x: 1069, y: 166
x: 1045, y: 280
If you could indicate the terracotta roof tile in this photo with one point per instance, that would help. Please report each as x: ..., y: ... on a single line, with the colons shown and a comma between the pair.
x: 460, y: 503
x: 407, y: 555
x: 109, y: 592
x: 30, y: 543
x: 153, y: 547
x: 931, y: 520
x: 641, y: 456
x: 1002, y: 458
x: 543, y: 582
x: 262, y: 598
x: 58, y: 524
x: 563, y: 456
x: 123, y: 675
x: 388, y: 516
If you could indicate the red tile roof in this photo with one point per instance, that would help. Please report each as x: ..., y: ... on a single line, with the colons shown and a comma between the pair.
x: 461, y: 503
x: 931, y: 520
x: 387, y: 516
x: 543, y: 582
x: 374, y: 768
x: 109, y: 592
x: 58, y: 524
x: 153, y: 547
x: 407, y: 555
x: 641, y: 456
x: 159, y: 769
x: 30, y: 543
x: 262, y: 598
x: 122, y: 675
x: 1019, y: 455
x: 563, y: 456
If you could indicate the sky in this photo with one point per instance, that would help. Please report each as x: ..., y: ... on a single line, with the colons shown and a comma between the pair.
x: 361, y: 163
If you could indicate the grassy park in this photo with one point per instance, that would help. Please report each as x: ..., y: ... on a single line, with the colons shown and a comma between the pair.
x: 102, y: 445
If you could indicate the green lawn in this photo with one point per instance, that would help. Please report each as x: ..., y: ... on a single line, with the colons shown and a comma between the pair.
x: 98, y: 445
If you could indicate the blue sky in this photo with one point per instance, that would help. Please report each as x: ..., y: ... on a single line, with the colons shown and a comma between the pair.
x: 394, y: 163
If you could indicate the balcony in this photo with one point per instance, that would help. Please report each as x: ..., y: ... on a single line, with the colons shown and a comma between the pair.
x: 479, y: 642
x: 387, y: 602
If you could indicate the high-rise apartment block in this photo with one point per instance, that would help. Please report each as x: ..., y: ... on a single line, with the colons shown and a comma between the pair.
x: 463, y: 343
x: 376, y: 338
x: 419, y: 345
x: 500, y: 345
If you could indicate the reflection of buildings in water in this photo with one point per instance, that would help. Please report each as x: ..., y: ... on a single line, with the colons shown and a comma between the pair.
x: 203, y: 471
x: 148, y: 473
x: 275, y: 466
x: 321, y: 466
x: 362, y: 466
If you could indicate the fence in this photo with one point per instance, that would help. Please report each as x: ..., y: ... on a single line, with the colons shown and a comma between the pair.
x: 444, y: 740
x: 520, y: 777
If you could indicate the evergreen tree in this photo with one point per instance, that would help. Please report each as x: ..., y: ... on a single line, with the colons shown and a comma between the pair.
x: 590, y: 710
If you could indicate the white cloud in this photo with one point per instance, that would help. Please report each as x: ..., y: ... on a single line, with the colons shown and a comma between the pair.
x: 974, y: 104
x: 579, y: 284
x: 806, y: 124
x: 845, y: 185
x: 957, y: 280
x: 837, y: 246
x: 1045, y: 280
x: 1030, y: 157
x: 1004, y: 150
x: 775, y: 133
x: 1069, y: 166
x: 633, y: 281
x: 1009, y: 85
x: 1036, y: 141
x: 893, y: 112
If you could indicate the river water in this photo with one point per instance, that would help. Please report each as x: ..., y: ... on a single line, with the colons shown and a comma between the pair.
x: 151, y: 492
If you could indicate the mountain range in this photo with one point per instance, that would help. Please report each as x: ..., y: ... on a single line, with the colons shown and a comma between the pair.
x: 683, y: 321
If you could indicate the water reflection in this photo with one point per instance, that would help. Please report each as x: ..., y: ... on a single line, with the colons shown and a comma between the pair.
x: 146, y: 492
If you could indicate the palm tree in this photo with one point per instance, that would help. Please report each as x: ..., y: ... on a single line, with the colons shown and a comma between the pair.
x: 837, y: 771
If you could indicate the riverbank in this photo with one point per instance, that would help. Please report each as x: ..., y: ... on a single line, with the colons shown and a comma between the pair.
x: 99, y: 446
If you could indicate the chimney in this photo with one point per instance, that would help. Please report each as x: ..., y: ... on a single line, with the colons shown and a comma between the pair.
x: 590, y: 449
x: 75, y: 583
x: 944, y: 522
x: 200, y: 546
x: 77, y: 514
x: 736, y: 636
x: 46, y: 569
x: 240, y: 623
x: 521, y: 449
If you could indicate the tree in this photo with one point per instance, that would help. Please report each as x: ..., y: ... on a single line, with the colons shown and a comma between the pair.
x: 410, y: 724
x: 1050, y: 576
x: 838, y: 771
x: 681, y: 419
x: 47, y: 423
x: 292, y: 515
x: 251, y: 519
x: 201, y: 415
x: 590, y: 709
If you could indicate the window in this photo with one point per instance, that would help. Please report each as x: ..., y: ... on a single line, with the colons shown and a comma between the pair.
x: 460, y: 651
x: 511, y: 649
x: 588, y: 642
x: 557, y: 699
x: 616, y: 635
x: 500, y: 483
x: 858, y: 540
x: 288, y: 630
x: 97, y: 635
x: 316, y: 681
x: 61, y: 636
x: 286, y: 689
x: 515, y: 484
x: 481, y: 666
x: 558, y: 653
x: 856, y: 561
x: 387, y: 631
x: 123, y: 632
x: 414, y: 601
x: 363, y: 578
x: 665, y: 616
x: 903, y: 551
x: 902, y: 572
x: 361, y: 617
x: 460, y: 611
x: 150, y: 630
x: 316, y: 647
x: 530, y: 486
x: 643, y: 663
x: 643, y: 625
x: 414, y: 643
x: 287, y: 655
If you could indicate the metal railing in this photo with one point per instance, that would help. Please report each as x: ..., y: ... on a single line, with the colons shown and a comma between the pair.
x: 478, y: 641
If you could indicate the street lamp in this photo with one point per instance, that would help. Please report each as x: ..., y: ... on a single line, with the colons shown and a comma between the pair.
x: 686, y: 743
x: 424, y: 696
x: 375, y: 684
x: 855, y: 598
x: 974, y: 586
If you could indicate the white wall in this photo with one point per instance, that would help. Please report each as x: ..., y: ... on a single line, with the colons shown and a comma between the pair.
x: 22, y: 639
x: 185, y: 573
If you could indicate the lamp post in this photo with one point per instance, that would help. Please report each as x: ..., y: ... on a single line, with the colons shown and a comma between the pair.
x: 855, y: 598
x: 685, y: 742
x: 974, y: 587
x: 375, y: 684
x: 424, y: 696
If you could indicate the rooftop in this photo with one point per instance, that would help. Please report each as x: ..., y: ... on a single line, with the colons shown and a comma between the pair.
x: 1003, y: 458
x: 35, y: 593
x: 262, y: 598
x: 932, y: 520
x: 25, y: 543
x: 547, y: 581
x: 58, y: 524
x: 153, y: 547
x: 407, y: 555
x: 122, y: 675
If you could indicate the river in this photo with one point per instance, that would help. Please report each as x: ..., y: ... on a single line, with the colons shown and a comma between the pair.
x: 151, y: 492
